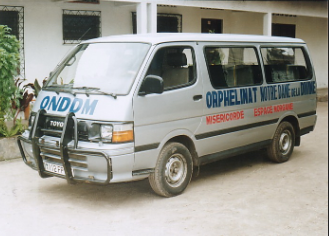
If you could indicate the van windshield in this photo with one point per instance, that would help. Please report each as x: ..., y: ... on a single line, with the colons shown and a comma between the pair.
x: 107, y: 67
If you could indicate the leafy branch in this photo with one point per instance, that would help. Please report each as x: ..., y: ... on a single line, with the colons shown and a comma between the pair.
x: 9, y: 65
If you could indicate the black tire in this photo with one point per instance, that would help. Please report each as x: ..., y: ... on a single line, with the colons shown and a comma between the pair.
x: 173, y: 170
x: 283, y: 143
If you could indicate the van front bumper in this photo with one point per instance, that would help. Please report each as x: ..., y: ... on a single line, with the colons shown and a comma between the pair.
x: 59, y: 152
x: 81, y: 164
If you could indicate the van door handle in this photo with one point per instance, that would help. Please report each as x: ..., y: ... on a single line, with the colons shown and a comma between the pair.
x: 197, y: 97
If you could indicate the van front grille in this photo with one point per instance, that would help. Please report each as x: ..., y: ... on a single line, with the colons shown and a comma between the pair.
x: 77, y: 161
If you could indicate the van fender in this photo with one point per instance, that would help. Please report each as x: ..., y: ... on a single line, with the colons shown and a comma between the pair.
x: 291, y: 117
x: 183, y: 136
x: 147, y: 159
x: 287, y: 114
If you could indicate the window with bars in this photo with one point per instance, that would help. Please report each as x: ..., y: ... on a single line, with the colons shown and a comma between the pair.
x: 213, y: 26
x: 286, y: 30
x: 13, y: 17
x: 86, y: 1
x: 10, y: 18
x: 80, y: 25
x: 166, y: 23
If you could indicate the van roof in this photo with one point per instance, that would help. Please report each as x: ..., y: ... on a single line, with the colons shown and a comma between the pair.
x: 192, y: 37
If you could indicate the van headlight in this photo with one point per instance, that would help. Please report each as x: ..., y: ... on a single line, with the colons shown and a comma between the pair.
x: 105, y: 132
x: 31, y: 121
x: 123, y: 133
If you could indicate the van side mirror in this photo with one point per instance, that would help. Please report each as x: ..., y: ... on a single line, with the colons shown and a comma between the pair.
x: 151, y: 84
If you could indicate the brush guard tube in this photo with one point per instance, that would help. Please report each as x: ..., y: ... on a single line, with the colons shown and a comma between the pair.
x: 74, y: 161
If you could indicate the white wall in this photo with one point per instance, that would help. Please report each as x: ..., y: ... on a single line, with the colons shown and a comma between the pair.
x: 233, y: 22
x: 44, y: 46
x: 43, y: 34
x: 314, y: 31
x: 43, y: 27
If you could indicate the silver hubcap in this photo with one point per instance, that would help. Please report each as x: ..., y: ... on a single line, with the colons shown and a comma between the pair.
x: 285, y: 142
x: 176, y: 170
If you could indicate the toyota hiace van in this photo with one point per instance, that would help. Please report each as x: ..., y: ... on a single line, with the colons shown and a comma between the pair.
x: 157, y: 106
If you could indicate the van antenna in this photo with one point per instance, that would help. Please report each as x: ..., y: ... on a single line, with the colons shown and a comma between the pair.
x: 84, y: 33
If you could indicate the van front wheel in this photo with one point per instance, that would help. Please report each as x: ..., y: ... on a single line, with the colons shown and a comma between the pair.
x: 283, y: 143
x: 173, y: 171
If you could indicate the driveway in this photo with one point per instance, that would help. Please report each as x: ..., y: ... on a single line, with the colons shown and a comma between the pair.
x: 244, y: 195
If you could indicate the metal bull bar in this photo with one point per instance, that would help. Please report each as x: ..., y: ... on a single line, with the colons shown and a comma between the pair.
x: 78, y: 163
x: 70, y: 126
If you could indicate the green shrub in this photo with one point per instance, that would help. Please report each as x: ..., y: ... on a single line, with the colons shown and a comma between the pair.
x: 9, y: 65
x: 5, y: 131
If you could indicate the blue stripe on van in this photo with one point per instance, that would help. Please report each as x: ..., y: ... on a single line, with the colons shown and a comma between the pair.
x: 234, y: 151
x: 234, y: 129
x: 147, y: 147
x: 311, y: 113
x: 306, y: 130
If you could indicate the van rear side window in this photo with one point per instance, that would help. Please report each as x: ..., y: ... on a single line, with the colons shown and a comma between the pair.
x: 233, y: 67
x: 285, y: 64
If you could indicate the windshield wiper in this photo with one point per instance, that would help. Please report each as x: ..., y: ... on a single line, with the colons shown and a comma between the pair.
x: 95, y: 89
x: 57, y: 88
x: 86, y: 88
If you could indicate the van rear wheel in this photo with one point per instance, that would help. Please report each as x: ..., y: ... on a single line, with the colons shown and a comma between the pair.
x: 283, y: 143
x: 173, y: 171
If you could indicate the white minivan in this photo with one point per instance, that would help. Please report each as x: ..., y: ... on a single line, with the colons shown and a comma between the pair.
x: 129, y: 107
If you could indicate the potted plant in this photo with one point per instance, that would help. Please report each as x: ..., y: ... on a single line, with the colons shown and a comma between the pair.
x: 25, y: 95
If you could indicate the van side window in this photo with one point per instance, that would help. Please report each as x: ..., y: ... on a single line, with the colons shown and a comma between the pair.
x: 233, y: 66
x: 175, y: 65
x: 284, y: 64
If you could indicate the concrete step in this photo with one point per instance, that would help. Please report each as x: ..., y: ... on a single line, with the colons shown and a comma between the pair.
x: 9, y: 149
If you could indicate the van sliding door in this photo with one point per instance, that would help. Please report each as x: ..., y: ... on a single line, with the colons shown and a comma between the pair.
x: 231, y: 91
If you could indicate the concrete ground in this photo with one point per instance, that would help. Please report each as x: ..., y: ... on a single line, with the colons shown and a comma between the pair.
x: 244, y: 195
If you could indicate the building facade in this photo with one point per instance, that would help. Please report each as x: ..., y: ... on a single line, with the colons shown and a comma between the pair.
x: 48, y: 29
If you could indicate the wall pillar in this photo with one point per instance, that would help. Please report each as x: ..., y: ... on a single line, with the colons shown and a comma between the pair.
x: 146, y: 17
x: 152, y: 17
x: 141, y: 18
x: 267, y: 24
